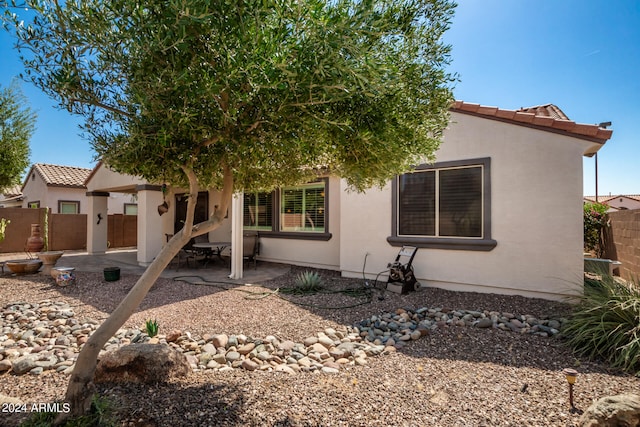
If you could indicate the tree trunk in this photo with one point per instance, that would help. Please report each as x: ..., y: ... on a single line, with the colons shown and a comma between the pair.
x: 81, y: 388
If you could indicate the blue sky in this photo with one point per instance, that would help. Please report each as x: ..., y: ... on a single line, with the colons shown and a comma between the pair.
x: 581, y: 55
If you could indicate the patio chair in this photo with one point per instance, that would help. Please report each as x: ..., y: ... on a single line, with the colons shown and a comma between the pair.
x: 198, y: 254
x: 250, y: 247
x: 181, y: 256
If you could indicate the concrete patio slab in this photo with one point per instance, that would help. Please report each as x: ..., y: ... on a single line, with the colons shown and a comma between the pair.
x: 126, y: 260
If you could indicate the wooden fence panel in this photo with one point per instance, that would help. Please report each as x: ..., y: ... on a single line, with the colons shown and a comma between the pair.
x: 19, y: 229
x: 67, y: 232
x: 122, y: 231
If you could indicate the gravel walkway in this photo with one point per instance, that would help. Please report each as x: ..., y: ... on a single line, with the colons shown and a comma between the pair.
x: 454, y: 376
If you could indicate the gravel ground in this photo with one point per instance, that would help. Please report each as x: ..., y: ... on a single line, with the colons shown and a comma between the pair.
x: 455, y: 376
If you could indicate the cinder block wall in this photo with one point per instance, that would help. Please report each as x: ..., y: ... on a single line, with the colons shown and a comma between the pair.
x: 622, y: 241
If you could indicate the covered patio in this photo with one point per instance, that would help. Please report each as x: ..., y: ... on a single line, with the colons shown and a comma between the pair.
x: 126, y: 260
x: 156, y: 226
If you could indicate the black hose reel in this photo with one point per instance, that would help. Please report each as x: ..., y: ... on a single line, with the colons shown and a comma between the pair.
x: 401, y: 276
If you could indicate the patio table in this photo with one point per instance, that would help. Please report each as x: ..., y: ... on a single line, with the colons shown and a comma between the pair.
x: 212, y: 248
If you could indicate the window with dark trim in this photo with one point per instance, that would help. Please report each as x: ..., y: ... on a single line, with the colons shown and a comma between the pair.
x: 446, y: 206
x: 258, y: 211
x: 68, y: 207
x: 34, y: 205
x: 295, y: 212
x: 130, y: 209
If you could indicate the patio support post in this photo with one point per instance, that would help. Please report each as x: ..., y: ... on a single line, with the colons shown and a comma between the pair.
x: 237, y: 206
x: 150, y: 231
x: 97, y: 221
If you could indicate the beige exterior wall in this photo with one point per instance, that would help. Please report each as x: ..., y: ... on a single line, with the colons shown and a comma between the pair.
x: 536, y: 219
x: 623, y: 202
x: 37, y: 190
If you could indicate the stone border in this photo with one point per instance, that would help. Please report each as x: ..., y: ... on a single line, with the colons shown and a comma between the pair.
x: 35, y: 337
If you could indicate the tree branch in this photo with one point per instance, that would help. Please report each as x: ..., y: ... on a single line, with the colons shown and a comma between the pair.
x: 101, y: 105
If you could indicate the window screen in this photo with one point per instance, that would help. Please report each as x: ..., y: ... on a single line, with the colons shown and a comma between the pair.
x: 441, y: 203
x: 258, y: 211
x: 302, y: 208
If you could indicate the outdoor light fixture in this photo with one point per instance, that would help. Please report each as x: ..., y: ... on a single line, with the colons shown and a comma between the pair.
x: 163, y: 208
x: 571, y: 375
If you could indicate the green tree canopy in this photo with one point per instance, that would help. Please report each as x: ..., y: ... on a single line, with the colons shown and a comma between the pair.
x: 269, y: 88
x: 17, y: 124
x: 240, y: 95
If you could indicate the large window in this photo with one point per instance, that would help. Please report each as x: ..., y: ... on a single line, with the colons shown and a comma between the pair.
x: 446, y: 205
x: 290, y: 212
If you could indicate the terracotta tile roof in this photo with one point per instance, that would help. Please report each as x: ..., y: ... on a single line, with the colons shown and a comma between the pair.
x: 548, y: 110
x: 60, y: 176
x: 605, y: 199
x: 13, y: 191
x: 544, y: 117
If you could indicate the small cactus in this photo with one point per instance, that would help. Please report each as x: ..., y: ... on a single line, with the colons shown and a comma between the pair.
x: 309, y: 281
x: 152, y: 327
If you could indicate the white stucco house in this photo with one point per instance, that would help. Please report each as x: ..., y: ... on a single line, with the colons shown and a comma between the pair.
x: 11, y: 197
x: 500, y: 210
x: 617, y: 202
x: 62, y: 189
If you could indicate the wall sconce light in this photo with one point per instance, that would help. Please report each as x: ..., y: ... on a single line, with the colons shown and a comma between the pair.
x: 99, y: 218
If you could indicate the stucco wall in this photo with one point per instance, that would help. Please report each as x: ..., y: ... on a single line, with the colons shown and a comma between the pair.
x: 624, y: 203
x: 536, y: 204
x: 36, y: 190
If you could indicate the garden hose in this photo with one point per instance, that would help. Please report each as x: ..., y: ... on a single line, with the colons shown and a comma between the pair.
x: 279, y: 292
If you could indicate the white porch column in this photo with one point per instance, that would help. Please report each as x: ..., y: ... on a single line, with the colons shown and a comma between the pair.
x: 237, y: 206
x: 97, y: 222
x: 150, y: 231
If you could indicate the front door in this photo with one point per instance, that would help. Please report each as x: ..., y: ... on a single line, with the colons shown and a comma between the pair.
x: 202, y: 210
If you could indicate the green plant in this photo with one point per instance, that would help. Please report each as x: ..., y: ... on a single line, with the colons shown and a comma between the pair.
x: 101, y: 414
x: 308, y: 281
x: 152, y: 327
x: 45, y: 237
x: 3, y: 227
x: 606, y: 323
x: 595, y: 220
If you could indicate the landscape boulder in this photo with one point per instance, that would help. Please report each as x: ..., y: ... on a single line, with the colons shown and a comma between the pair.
x: 142, y: 363
x: 622, y: 410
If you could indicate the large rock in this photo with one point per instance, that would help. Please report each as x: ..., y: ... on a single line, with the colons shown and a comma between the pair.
x: 142, y: 363
x: 612, y: 411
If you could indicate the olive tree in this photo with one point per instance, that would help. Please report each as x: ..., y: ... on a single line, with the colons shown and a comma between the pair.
x: 17, y: 124
x: 241, y: 95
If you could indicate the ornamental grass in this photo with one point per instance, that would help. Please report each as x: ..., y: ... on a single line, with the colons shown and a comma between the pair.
x: 606, y: 323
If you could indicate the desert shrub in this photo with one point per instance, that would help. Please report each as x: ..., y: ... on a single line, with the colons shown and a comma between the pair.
x: 606, y: 323
x: 308, y: 281
x: 595, y: 219
x: 152, y: 326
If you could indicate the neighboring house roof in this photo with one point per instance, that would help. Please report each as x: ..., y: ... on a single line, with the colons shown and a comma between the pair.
x: 11, y: 194
x: 59, y: 176
x: 547, y: 110
x: 544, y: 117
x: 12, y: 191
x: 605, y: 199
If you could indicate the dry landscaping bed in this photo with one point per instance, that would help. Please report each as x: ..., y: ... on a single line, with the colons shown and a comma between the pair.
x: 453, y: 375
